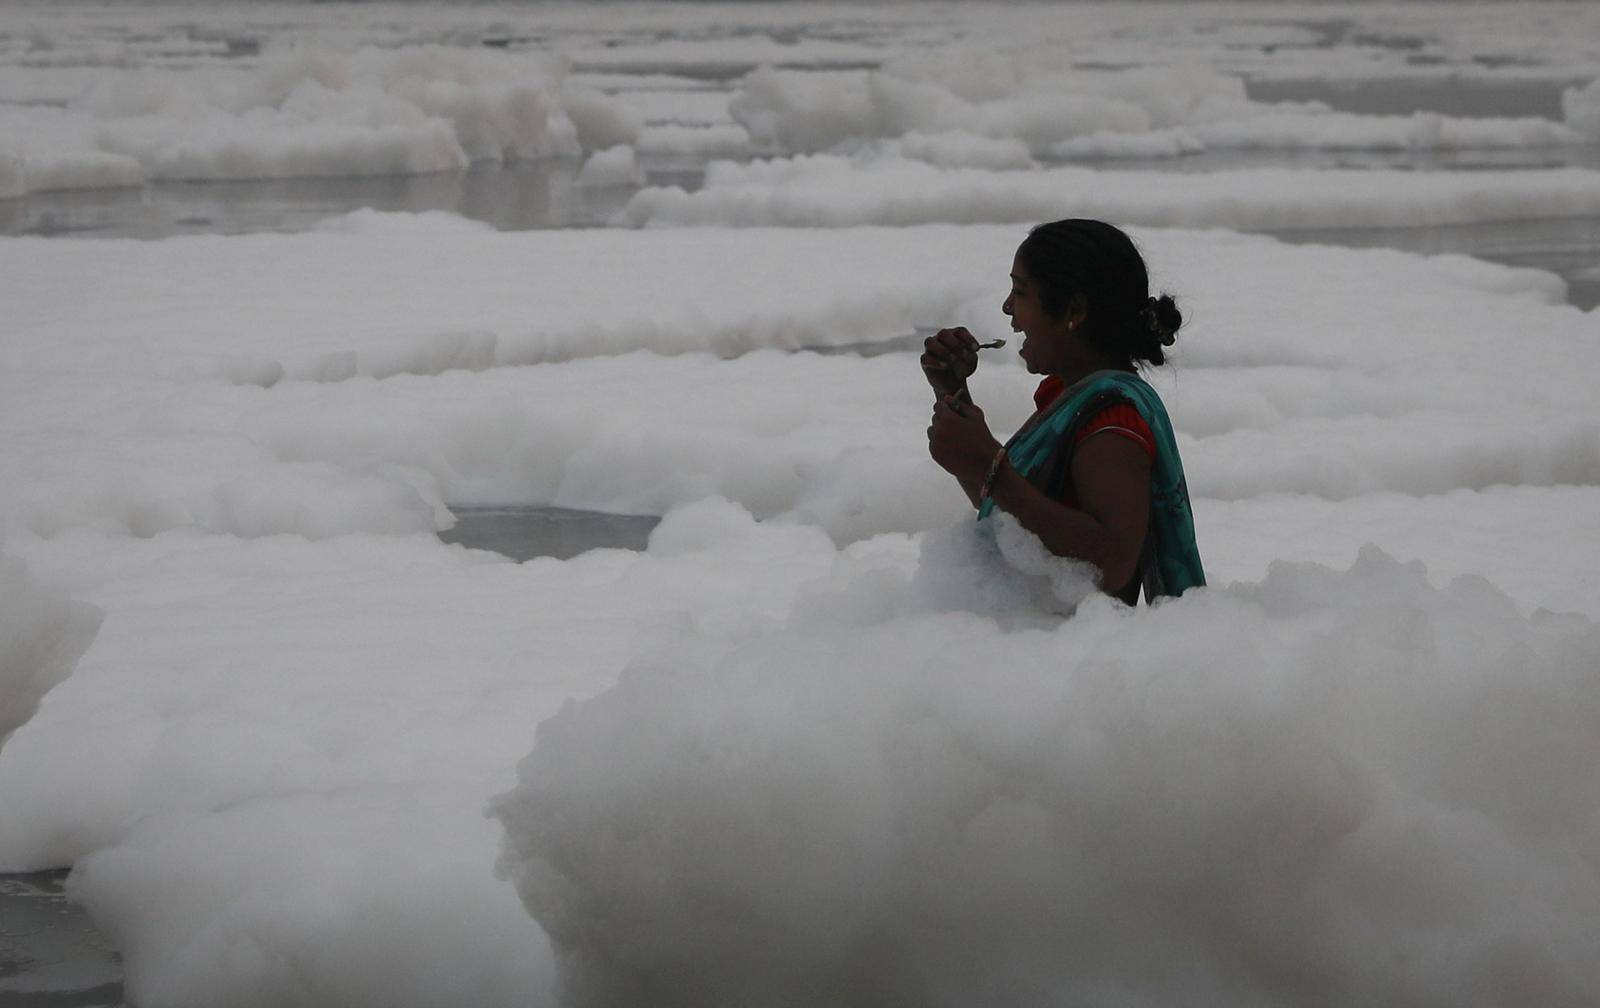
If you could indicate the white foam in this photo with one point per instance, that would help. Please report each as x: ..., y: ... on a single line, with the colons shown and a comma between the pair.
x: 704, y: 107
x: 1152, y: 144
x: 47, y: 149
x: 286, y: 898
x: 313, y: 112
x: 1341, y: 786
x: 42, y: 634
x: 809, y: 191
x: 277, y: 426
x: 1418, y: 131
x: 1581, y: 107
x: 601, y: 122
x: 1421, y: 131
x: 695, y: 141
x: 43, y: 171
x: 417, y: 92
x: 959, y: 149
x: 614, y: 166
x: 1034, y: 103
x: 811, y: 112
x: 368, y: 221
x: 268, y: 146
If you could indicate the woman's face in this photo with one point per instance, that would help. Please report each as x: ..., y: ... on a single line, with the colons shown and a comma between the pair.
x: 1048, y: 344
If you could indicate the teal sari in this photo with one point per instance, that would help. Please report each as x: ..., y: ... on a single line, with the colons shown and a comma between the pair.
x: 1174, y: 563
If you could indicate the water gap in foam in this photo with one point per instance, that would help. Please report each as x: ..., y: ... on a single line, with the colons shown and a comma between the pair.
x: 514, y: 196
x: 51, y: 956
x: 523, y: 532
x: 1450, y: 94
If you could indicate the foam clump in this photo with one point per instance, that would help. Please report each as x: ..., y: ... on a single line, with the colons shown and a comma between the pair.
x: 1581, y: 108
x: 726, y: 140
x: 600, y: 122
x: 1027, y: 99
x: 1001, y: 571
x: 976, y: 93
x: 286, y: 899
x: 1325, y: 130
x: 42, y: 635
x: 51, y: 171
x: 811, y: 191
x: 367, y: 221
x: 805, y: 112
x: 143, y: 489
x: 270, y: 144
x: 319, y: 501
x: 614, y: 166
x: 310, y: 112
x: 1340, y: 787
x: 962, y: 149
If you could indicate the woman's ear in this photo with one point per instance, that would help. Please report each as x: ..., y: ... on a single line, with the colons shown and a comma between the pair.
x: 1077, y: 312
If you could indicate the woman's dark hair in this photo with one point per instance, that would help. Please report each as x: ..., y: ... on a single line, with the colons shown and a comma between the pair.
x: 1096, y: 261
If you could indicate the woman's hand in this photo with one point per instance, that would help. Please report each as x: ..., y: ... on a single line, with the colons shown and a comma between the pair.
x: 959, y: 440
x: 949, y: 357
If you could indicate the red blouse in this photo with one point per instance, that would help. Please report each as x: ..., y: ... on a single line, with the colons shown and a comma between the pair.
x: 1117, y: 418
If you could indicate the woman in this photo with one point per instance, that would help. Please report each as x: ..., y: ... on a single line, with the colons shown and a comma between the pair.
x: 1095, y: 473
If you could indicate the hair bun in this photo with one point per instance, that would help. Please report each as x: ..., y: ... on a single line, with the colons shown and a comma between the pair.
x: 1161, y: 318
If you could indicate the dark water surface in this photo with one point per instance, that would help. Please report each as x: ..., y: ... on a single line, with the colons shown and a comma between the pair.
x: 523, y: 532
x: 1452, y: 94
x: 515, y: 196
x: 50, y: 954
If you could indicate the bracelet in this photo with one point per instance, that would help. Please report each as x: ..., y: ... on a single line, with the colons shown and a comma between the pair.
x: 994, y: 470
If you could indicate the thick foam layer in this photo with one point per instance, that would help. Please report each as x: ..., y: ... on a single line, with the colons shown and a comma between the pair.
x: 826, y: 190
x: 1582, y: 108
x: 1331, y: 786
x: 42, y: 634
x: 117, y: 96
x: 308, y: 113
x: 277, y: 426
x: 1029, y: 99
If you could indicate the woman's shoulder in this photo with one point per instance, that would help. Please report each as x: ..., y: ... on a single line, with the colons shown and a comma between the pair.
x: 1118, y: 416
